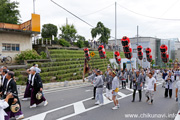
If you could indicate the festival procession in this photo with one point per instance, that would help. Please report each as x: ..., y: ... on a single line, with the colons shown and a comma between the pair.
x: 55, y: 64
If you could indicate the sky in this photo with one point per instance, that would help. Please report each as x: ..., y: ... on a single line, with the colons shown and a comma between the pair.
x: 93, y: 11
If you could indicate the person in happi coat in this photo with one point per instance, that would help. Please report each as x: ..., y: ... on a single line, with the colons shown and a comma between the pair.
x: 3, y: 81
x: 99, y: 89
x: 109, y: 86
x: 137, y: 85
x: 115, y: 89
x: 27, y: 93
x: 169, y: 79
x: 164, y: 74
x: 143, y: 77
x: 123, y: 79
x: 37, y: 86
x: 132, y: 75
x: 92, y: 78
x: 107, y: 74
x: 12, y: 88
x: 126, y: 72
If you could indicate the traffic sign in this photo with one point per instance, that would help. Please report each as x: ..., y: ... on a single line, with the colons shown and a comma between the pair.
x: 92, y: 54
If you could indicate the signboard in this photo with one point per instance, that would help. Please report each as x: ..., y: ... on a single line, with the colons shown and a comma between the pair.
x: 92, y: 54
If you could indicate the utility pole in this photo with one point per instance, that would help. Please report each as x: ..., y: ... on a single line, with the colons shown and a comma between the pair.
x: 115, y: 30
x: 66, y: 21
x: 34, y: 6
x: 137, y: 35
x: 137, y: 44
x: 116, y: 23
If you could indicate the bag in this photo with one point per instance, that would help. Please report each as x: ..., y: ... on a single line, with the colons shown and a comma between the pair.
x: 15, y: 108
x: 116, y: 90
x: 39, y: 95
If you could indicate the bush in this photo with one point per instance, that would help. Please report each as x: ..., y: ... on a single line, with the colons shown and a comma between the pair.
x: 80, y: 43
x: 63, y: 42
x: 86, y: 44
x: 43, y: 55
x: 27, y: 55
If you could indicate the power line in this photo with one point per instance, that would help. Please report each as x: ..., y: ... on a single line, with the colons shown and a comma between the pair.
x: 147, y: 15
x: 97, y: 11
x: 72, y: 13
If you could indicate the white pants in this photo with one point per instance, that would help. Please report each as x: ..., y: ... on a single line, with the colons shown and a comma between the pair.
x: 109, y: 93
x: 150, y: 94
x: 99, y: 95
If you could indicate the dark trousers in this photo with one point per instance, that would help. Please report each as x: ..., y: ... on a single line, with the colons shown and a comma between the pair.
x: 134, y: 94
x: 166, y: 92
x: 123, y: 84
x: 131, y: 84
x: 94, y: 92
x: 126, y: 80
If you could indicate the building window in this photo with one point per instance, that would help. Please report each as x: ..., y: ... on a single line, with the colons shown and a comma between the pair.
x: 10, y: 47
x: 144, y: 50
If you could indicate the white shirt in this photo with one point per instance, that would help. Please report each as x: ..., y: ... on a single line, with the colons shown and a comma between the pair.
x: 33, y: 80
x: 150, y: 83
x: 115, y: 83
x: 3, y: 105
x: 7, y: 86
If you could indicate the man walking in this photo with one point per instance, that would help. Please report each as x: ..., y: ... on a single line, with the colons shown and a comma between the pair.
x: 151, y: 88
x: 37, y: 86
x: 137, y: 85
x: 115, y: 89
x: 169, y: 84
x: 99, y: 89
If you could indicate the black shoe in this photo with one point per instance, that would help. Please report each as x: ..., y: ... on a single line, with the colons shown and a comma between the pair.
x: 132, y: 101
x: 93, y: 98
x: 139, y: 100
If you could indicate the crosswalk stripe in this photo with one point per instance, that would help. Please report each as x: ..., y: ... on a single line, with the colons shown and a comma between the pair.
x: 79, y: 107
x: 122, y: 94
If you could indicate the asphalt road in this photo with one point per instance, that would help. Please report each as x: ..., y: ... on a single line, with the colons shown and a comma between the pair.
x: 76, y: 104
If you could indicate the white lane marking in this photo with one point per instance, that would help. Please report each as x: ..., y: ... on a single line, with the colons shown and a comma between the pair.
x: 177, y: 116
x: 129, y: 89
x: 88, y: 90
x: 78, y: 107
x: 68, y: 116
x: 122, y: 94
x: 37, y: 117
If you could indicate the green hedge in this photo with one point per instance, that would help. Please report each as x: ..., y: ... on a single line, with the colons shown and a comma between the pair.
x: 65, y: 64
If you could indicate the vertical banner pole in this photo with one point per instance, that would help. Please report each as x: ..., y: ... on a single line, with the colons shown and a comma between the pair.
x: 84, y: 70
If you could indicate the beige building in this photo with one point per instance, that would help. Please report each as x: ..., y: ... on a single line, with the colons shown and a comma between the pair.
x: 16, y: 38
x: 12, y: 43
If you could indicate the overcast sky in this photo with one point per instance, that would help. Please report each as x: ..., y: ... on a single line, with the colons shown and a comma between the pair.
x: 91, y: 11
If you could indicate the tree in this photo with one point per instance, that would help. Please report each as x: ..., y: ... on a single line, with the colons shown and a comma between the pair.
x: 102, y: 31
x: 9, y: 12
x: 80, y: 43
x: 170, y: 62
x: 48, y: 30
x: 152, y: 63
x: 68, y: 32
x: 79, y: 37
